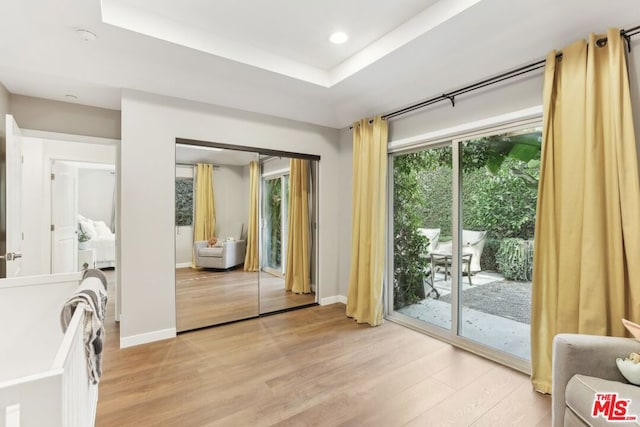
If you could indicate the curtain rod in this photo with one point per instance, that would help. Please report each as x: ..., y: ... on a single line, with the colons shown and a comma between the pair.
x: 450, y: 96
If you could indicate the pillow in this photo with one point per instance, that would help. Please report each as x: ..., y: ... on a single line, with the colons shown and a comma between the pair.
x: 101, y: 229
x: 89, y: 229
x: 81, y: 218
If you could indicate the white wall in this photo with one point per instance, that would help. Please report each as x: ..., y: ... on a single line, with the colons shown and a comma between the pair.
x: 231, y: 195
x: 65, y: 117
x: 36, y: 202
x: 95, y: 193
x: 5, y: 98
x: 345, y: 198
x: 150, y: 124
x: 275, y: 164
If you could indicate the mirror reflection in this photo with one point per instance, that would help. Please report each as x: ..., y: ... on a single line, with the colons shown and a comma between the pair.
x: 213, y: 193
x: 288, y: 241
x: 245, y: 240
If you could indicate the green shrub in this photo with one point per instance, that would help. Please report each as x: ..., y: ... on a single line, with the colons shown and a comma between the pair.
x: 515, y: 259
x: 502, y: 204
x: 409, y: 244
x: 488, y: 260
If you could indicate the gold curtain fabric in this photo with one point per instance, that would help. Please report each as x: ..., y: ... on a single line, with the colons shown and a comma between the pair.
x: 297, y: 276
x: 251, y: 257
x: 586, y: 274
x: 364, y: 300
x: 204, y: 216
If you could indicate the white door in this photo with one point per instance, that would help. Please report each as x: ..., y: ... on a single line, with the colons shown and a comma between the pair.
x: 13, y: 176
x: 64, y: 218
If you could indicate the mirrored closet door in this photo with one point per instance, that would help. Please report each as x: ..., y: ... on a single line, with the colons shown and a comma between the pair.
x: 213, y: 191
x: 288, y: 218
x: 246, y: 239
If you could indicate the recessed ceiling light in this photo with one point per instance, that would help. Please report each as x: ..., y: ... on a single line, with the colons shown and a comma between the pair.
x: 338, y: 37
x: 70, y: 96
x: 86, y: 35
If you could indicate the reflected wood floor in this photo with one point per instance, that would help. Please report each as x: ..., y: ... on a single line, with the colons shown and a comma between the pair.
x: 273, y: 296
x: 211, y: 297
x: 309, y: 367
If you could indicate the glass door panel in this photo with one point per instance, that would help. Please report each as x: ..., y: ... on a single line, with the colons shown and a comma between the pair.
x: 276, y: 203
x: 422, y: 218
x: 499, y: 180
x: 461, y: 240
x: 272, y: 236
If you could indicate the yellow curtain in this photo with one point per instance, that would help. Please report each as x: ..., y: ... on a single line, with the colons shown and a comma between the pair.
x: 297, y: 274
x: 364, y: 300
x: 204, y: 216
x: 586, y: 273
x: 251, y: 257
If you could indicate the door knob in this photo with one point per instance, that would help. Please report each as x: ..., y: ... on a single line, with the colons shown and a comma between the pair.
x: 11, y: 256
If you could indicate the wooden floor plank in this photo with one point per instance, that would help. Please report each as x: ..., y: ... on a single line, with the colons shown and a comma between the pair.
x: 472, y: 401
x: 312, y: 367
x: 524, y: 407
x: 206, y: 297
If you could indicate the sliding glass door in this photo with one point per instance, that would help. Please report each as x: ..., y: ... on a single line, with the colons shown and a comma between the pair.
x: 422, y: 207
x: 462, y: 240
x: 275, y: 204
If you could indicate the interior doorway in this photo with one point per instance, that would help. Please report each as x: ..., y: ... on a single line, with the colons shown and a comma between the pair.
x: 82, y: 216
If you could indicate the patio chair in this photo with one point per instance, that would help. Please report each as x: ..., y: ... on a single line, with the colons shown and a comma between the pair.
x: 472, y: 243
x: 433, y: 234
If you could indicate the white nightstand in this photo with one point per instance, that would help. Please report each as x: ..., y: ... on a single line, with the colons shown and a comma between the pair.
x: 87, y: 256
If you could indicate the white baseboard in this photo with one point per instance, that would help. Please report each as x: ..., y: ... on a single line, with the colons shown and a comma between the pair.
x: 147, y: 338
x: 183, y: 265
x: 333, y: 300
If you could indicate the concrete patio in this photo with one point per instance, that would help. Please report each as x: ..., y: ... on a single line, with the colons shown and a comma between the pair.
x: 500, y: 332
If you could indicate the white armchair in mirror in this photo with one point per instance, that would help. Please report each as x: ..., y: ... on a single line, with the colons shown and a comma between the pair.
x: 228, y: 251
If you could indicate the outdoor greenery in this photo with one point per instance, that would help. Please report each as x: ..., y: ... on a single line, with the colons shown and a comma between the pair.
x: 514, y: 258
x: 82, y: 235
x: 499, y: 191
x: 273, y: 211
x: 409, y: 245
x: 502, y: 203
x: 184, y: 201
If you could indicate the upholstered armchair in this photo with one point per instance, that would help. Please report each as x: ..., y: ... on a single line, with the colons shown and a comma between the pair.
x: 228, y: 252
x: 224, y: 255
x: 433, y: 234
x: 584, y: 365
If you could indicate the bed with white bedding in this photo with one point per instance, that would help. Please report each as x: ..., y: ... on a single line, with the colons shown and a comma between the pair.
x: 101, y: 239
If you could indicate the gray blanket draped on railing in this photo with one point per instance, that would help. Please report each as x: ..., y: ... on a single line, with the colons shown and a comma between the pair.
x: 92, y: 294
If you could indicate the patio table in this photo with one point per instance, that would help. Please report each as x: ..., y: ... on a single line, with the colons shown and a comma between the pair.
x: 445, y: 258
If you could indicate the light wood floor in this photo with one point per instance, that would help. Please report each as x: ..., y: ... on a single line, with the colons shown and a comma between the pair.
x: 311, y: 367
x: 273, y: 296
x: 210, y: 297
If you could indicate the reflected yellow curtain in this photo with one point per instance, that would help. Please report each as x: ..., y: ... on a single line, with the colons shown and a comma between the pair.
x: 251, y: 257
x: 364, y: 301
x: 204, y: 216
x: 297, y: 274
x: 586, y: 273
